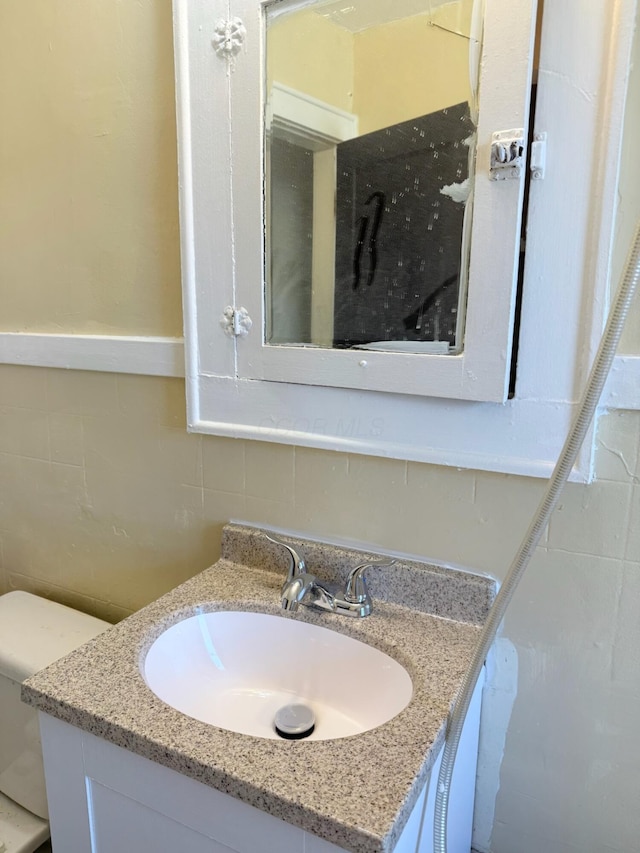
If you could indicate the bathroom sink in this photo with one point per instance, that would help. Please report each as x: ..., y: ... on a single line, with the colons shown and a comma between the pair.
x: 237, y: 670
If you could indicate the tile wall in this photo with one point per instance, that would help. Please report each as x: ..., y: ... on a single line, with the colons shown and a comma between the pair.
x: 106, y: 502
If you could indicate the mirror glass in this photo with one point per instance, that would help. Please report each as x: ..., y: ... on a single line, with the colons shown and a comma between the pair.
x: 369, y: 160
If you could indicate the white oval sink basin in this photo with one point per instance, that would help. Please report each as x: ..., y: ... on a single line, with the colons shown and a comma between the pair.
x: 235, y: 670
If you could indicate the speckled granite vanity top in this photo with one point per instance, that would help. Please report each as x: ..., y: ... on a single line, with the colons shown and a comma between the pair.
x: 356, y: 792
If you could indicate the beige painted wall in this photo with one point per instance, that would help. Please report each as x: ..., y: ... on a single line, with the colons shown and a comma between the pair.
x: 385, y: 74
x: 106, y: 501
x: 88, y: 194
x: 406, y: 69
x: 311, y: 54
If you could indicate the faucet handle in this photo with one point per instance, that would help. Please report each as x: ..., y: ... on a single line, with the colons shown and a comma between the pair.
x: 297, y: 565
x: 356, y: 586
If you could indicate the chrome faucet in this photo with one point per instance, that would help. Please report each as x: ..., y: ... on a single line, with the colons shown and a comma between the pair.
x: 301, y: 587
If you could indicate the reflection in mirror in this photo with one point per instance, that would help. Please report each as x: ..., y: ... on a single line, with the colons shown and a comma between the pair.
x: 369, y: 150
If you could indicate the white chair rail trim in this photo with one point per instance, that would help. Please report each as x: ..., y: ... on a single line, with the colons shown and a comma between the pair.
x: 164, y: 356
x: 149, y: 356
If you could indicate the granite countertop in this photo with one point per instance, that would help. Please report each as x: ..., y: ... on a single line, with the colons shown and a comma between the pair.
x: 356, y: 792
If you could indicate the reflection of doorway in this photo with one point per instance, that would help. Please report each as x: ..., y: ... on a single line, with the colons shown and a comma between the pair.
x: 399, y: 240
x: 301, y: 169
x: 290, y: 242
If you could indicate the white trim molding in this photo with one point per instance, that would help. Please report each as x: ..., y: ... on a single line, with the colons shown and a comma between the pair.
x: 306, y: 117
x: 149, y: 356
x: 164, y: 356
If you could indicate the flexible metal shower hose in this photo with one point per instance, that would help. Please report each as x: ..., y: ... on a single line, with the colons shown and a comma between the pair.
x: 579, y: 427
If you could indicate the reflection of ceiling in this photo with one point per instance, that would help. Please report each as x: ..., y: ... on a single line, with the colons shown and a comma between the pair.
x: 358, y: 15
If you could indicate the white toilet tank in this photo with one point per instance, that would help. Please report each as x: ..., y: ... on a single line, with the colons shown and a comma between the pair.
x: 34, y: 632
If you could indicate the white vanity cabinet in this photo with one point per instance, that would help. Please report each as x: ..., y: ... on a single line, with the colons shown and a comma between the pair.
x: 104, y: 799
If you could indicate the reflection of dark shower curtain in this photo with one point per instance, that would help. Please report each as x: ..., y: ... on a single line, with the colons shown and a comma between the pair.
x: 398, y: 239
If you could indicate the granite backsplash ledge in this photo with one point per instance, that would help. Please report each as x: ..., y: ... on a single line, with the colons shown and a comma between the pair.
x: 446, y: 592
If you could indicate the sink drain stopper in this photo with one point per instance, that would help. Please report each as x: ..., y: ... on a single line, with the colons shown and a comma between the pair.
x: 294, y: 722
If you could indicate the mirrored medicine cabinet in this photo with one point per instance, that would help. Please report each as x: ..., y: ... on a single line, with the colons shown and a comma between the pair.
x: 350, y: 239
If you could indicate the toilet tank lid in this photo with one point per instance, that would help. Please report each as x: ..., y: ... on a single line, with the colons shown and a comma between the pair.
x: 34, y: 632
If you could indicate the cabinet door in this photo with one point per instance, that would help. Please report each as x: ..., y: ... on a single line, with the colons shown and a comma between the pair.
x: 224, y: 95
x: 120, y: 823
x: 104, y: 799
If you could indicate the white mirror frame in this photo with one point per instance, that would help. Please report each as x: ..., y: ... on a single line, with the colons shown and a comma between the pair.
x: 481, y: 370
x: 221, y: 223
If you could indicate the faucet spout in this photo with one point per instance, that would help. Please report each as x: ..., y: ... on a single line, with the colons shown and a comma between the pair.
x: 294, y: 591
x: 301, y: 587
